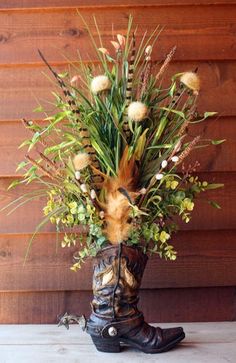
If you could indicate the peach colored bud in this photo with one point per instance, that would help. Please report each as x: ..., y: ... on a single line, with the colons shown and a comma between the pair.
x: 103, y: 51
x: 116, y: 45
x: 74, y: 79
x: 148, y: 58
x: 143, y: 191
x: 101, y: 214
x: 121, y: 40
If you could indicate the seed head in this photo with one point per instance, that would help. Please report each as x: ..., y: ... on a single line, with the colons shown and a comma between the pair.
x: 81, y: 161
x: 100, y: 83
x: 191, y: 81
x: 137, y: 111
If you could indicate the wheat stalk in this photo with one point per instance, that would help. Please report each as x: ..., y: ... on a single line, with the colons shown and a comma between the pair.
x: 166, y: 63
x: 188, y: 149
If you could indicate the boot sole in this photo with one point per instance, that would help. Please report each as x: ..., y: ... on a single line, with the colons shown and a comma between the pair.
x: 113, y: 346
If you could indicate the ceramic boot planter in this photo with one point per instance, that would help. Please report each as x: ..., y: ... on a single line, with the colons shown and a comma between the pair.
x: 115, y: 318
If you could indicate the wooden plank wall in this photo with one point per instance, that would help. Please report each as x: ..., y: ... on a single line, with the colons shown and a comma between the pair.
x: 200, y: 285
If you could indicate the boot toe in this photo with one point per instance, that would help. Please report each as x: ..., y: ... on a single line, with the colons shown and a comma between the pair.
x: 172, y: 334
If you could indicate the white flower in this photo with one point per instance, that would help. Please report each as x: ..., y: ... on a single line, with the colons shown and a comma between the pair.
x: 81, y: 161
x: 77, y: 175
x: 83, y: 188
x: 159, y: 176
x: 164, y: 164
x: 148, y: 50
x: 93, y: 194
x: 100, y: 83
x: 137, y: 111
x: 101, y: 214
x: 191, y: 80
x: 143, y: 191
x: 175, y: 159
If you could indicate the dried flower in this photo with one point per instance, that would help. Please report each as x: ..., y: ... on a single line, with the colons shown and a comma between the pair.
x: 100, y: 83
x: 148, y: 50
x: 191, y: 81
x: 137, y: 111
x: 81, y: 161
x: 183, y: 128
x: 143, y: 191
x: 175, y: 159
x: 164, y: 164
x: 83, y: 188
x: 121, y: 40
x: 77, y: 175
x: 74, y: 79
x: 116, y: 45
x: 103, y: 51
x: 102, y: 214
x: 159, y: 176
x: 93, y: 194
x: 166, y: 63
x: 188, y: 149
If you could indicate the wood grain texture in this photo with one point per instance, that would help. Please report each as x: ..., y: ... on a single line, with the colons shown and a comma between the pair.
x: 204, y: 342
x: 200, y: 285
x: 160, y: 305
x: 212, y: 159
x: 31, y: 4
x: 26, y: 86
x: 24, y: 221
x: 207, y: 35
x: 205, y: 258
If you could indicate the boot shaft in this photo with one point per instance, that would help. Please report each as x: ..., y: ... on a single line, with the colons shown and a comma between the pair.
x: 118, y: 272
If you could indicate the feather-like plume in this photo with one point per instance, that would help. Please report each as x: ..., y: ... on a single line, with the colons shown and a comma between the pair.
x: 128, y: 95
x: 120, y: 193
x: 83, y: 132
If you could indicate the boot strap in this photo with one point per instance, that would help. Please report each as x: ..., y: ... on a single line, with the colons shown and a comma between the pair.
x: 118, y: 328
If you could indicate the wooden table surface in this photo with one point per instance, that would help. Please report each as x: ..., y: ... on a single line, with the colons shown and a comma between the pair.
x: 205, y: 342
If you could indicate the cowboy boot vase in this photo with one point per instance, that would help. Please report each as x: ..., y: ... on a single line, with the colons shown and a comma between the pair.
x: 115, y: 318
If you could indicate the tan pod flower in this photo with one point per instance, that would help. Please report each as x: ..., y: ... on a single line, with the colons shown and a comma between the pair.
x: 137, y: 111
x: 191, y: 81
x: 81, y: 161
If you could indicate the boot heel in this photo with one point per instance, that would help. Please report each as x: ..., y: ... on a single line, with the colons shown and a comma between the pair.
x: 106, y: 345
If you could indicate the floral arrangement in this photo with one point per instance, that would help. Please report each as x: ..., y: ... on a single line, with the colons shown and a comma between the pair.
x: 112, y: 158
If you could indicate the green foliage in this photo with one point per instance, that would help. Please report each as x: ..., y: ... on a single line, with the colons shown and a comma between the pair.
x: 156, y: 143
